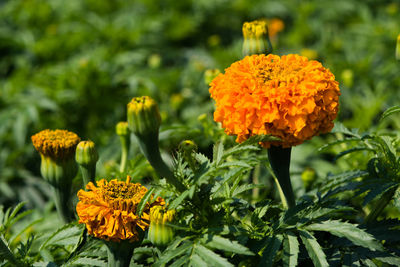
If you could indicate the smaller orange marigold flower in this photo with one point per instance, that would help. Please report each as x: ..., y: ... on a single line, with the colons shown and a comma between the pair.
x: 275, y: 26
x: 56, y: 144
x: 289, y: 97
x: 109, y: 209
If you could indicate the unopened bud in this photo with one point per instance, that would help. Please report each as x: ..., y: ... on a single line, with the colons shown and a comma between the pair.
x: 160, y: 233
x: 86, y: 153
x: 143, y: 116
x: 256, y: 39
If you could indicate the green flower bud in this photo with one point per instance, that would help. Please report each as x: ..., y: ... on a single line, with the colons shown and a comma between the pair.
x: 256, y: 39
x: 122, y: 128
x: 143, y: 116
x: 308, y: 177
x: 124, y: 136
x: 160, y: 232
x: 86, y: 153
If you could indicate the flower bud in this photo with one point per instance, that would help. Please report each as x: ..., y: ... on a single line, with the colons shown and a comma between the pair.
x: 86, y: 153
x: 308, y: 177
x: 124, y: 136
x: 122, y: 129
x: 143, y: 116
x: 256, y: 39
x: 160, y: 233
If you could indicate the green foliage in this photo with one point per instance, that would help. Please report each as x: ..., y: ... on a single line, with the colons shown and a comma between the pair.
x: 76, y: 64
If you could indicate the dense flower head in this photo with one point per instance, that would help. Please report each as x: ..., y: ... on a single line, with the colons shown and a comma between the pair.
x: 109, y: 209
x: 56, y: 144
x: 289, y: 97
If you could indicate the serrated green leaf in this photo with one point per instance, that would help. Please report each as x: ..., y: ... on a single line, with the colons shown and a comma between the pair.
x: 5, y: 251
x: 314, y: 250
x: 221, y: 243
x: 246, y: 187
x: 218, y: 151
x: 377, y: 191
x: 350, y: 231
x: 234, y: 164
x: 197, y: 261
x: 170, y: 254
x: 340, y: 128
x: 389, y: 112
x: 240, y: 149
x: 86, y: 261
x: 210, y: 257
x: 143, y: 201
x: 180, y: 262
x: 352, y: 150
x: 66, y: 235
x: 271, y: 249
x: 290, y: 250
x: 175, y: 203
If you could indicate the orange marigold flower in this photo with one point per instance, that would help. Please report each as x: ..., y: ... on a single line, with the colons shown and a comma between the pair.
x: 56, y: 144
x: 289, y: 97
x: 109, y: 210
x: 275, y: 26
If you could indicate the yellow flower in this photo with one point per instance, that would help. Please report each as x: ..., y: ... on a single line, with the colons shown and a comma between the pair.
x: 289, y: 97
x: 56, y: 144
x: 160, y: 233
x: 109, y: 210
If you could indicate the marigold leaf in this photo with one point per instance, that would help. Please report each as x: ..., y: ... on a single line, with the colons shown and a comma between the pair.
x: 68, y: 234
x: 175, y: 203
x: 270, y: 251
x: 5, y: 251
x: 86, y: 261
x: 210, y: 257
x: 145, y: 199
x: 350, y: 231
x: 389, y: 112
x: 314, y: 250
x: 221, y: 243
x: 290, y: 250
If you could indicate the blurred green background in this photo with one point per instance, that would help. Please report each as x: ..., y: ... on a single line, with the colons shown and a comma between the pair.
x: 76, y: 64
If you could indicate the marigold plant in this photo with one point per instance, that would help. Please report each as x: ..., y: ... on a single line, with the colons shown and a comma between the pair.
x: 109, y: 209
x: 289, y: 97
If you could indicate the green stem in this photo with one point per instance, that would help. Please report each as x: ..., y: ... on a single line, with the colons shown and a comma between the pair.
x: 380, y: 206
x: 125, y: 143
x: 119, y: 254
x: 280, y: 162
x: 150, y: 149
x: 88, y: 173
x: 63, y: 204
x: 255, y: 176
x: 281, y: 195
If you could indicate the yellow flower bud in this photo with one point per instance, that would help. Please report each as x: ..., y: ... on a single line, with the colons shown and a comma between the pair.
x: 122, y: 128
x: 160, y: 233
x: 86, y: 153
x: 143, y: 116
x: 256, y: 39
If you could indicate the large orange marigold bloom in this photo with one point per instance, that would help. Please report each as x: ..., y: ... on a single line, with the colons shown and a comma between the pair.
x: 109, y: 210
x: 289, y: 97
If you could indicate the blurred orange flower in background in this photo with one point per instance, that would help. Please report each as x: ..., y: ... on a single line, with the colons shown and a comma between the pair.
x: 289, y: 97
x: 275, y: 26
x: 109, y: 210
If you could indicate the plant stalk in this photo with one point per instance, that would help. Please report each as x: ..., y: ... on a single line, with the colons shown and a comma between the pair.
x: 279, y: 159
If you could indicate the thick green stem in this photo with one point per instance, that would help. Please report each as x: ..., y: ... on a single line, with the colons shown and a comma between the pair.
x: 125, y: 143
x: 149, y: 146
x: 280, y: 162
x: 88, y: 174
x: 380, y: 206
x: 119, y: 254
x: 63, y: 204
